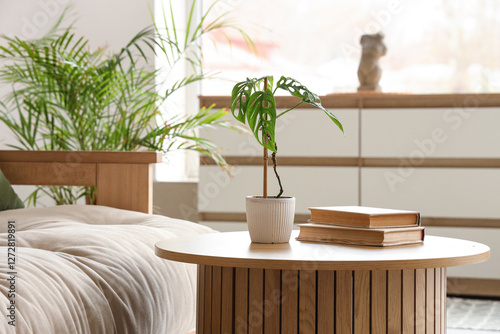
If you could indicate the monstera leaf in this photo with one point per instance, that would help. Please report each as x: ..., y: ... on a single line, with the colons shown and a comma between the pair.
x: 295, y: 88
x: 256, y: 107
x: 239, y: 100
x: 261, y: 117
x: 253, y: 105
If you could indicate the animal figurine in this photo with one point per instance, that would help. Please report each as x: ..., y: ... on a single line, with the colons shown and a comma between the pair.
x: 369, y: 72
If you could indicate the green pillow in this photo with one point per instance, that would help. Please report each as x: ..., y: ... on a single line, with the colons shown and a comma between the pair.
x: 8, y: 198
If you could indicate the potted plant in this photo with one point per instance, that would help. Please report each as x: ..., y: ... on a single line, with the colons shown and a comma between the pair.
x: 270, y: 218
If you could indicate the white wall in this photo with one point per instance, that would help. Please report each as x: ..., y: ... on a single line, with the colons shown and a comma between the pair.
x: 109, y: 23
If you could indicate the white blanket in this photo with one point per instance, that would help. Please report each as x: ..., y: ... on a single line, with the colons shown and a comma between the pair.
x: 92, y: 269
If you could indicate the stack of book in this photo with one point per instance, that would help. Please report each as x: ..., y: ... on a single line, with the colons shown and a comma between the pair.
x: 361, y: 225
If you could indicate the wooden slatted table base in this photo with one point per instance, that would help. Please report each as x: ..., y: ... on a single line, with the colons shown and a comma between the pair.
x: 307, y: 287
x: 241, y: 300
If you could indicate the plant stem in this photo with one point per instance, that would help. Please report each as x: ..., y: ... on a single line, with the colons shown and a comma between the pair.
x: 275, y: 164
x: 266, y: 157
x: 295, y: 106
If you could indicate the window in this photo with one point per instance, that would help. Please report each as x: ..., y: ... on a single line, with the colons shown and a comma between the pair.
x: 434, y: 46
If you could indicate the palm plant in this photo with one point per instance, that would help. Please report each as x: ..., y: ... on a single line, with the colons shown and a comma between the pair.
x: 67, y: 97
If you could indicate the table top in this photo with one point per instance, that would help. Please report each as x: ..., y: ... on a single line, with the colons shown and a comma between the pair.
x: 234, y: 249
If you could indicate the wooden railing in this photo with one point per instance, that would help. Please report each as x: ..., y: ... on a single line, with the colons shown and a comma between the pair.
x: 379, y: 100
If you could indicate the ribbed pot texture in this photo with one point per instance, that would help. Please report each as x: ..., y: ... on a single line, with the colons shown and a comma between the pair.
x: 270, y: 220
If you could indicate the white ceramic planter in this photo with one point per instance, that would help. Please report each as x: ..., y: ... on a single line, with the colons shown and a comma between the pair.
x: 270, y: 220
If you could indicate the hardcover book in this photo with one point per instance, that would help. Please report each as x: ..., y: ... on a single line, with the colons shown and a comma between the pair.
x: 363, y: 216
x: 361, y: 236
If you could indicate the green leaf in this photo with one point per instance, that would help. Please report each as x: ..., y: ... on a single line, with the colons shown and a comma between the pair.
x: 332, y: 117
x: 239, y: 100
x: 295, y: 88
x: 261, y: 117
